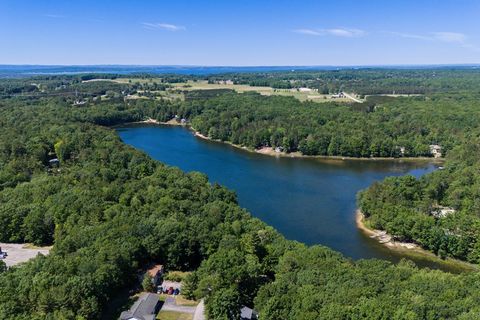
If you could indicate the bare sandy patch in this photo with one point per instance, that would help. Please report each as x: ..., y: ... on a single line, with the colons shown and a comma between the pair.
x: 20, y: 252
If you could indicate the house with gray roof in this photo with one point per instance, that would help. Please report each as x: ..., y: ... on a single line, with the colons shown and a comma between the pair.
x: 145, y: 308
x: 247, y: 313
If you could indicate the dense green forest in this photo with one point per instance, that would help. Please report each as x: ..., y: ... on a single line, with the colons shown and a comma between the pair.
x: 382, y: 127
x: 411, y: 209
x: 109, y: 209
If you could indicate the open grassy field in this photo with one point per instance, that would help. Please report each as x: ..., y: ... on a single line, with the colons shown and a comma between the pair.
x: 267, y: 91
x: 240, y: 88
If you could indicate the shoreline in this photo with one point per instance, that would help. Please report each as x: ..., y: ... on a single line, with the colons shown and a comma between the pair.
x: 269, y: 151
x: 171, y: 122
x: 407, y: 248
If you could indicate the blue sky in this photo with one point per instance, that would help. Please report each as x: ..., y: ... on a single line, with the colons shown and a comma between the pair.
x: 240, y: 33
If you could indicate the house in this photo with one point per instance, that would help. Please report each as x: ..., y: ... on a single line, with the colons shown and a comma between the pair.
x: 436, y: 150
x: 228, y: 82
x: 145, y: 308
x: 442, y: 212
x: 338, y: 95
x: 401, y: 150
x: 156, y: 272
x: 304, y: 89
x: 247, y: 313
x: 79, y: 102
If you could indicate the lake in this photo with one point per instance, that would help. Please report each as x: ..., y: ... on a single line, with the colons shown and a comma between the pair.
x: 306, y: 199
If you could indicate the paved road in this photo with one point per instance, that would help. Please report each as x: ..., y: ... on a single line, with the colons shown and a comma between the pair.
x: 200, y: 311
x: 18, y: 254
x: 170, y: 305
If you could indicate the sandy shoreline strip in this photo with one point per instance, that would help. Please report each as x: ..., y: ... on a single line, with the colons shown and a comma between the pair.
x: 171, y: 122
x: 406, y: 247
x: 384, y: 238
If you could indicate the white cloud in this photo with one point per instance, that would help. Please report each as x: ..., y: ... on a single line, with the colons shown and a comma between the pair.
x: 336, y: 32
x: 344, y: 32
x: 309, y: 32
x: 162, y: 26
x: 454, y: 37
x: 410, y: 35
x: 54, y: 16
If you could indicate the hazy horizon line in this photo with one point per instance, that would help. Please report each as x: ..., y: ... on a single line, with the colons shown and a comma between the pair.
x: 239, y: 66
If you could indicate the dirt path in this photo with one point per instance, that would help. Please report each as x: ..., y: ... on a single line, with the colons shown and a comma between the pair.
x: 352, y: 97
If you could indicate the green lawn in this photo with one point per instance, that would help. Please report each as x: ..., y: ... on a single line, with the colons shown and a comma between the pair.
x: 178, y: 276
x: 179, y: 300
x: 172, y: 315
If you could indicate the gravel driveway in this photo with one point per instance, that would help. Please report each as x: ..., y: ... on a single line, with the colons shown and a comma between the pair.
x: 18, y: 253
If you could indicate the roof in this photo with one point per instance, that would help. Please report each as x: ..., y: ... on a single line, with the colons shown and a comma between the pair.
x: 155, y: 270
x: 144, y: 308
x: 248, y: 313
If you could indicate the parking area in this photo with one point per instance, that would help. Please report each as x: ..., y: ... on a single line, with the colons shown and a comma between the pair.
x: 20, y: 252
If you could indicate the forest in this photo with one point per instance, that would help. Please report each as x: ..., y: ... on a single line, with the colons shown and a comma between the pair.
x: 109, y: 209
x: 364, y: 81
x: 382, y: 127
x: 411, y: 210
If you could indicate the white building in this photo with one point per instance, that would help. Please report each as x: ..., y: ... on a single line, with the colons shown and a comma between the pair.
x: 436, y: 150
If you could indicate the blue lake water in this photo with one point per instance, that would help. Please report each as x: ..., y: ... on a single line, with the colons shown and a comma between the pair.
x: 308, y: 200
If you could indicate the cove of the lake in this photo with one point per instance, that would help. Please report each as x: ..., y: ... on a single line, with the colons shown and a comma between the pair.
x: 306, y: 199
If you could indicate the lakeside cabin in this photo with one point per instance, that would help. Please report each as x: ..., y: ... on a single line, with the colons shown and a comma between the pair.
x: 436, y: 150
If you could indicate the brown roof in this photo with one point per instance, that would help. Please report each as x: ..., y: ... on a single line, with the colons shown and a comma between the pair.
x: 155, y: 270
